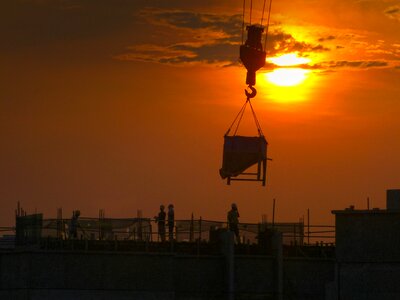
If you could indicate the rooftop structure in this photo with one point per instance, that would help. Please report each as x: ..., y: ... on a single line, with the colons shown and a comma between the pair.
x: 368, y: 251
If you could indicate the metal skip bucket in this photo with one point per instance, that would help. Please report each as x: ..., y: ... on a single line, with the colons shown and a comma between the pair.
x: 242, y: 152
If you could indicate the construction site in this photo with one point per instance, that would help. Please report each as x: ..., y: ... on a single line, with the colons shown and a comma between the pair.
x: 126, y: 259
x: 163, y: 258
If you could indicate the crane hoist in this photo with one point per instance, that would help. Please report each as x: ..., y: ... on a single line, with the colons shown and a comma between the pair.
x: 242, y: 152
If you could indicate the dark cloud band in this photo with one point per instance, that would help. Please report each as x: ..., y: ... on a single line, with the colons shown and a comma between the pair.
x: 219, y: 46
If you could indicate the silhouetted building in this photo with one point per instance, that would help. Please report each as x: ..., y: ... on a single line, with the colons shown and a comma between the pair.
x: 368, y: 252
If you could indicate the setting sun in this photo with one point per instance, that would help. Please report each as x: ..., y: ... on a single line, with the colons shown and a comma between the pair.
x: 290, y: 59
x: 287, y: 76
x: 290, y: 73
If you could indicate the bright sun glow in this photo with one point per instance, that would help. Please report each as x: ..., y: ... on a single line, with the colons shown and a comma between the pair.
x: 291, y: 59
x: 289, y: 82
x: 287, y: 76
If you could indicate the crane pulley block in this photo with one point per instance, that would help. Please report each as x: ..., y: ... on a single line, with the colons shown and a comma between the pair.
x: 252, y: 53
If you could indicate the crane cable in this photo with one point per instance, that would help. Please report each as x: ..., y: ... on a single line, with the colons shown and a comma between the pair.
x: 240, y: 113
x: 239, y: 117
x: 269, y: 12
x: 269, y: 16
x: 262, y: 18
x: 244, y: 8
x: 251, y: 9
x: 260, y: 132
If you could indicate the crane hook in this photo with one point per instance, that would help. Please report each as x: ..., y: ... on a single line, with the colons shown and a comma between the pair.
x: 253, y: 92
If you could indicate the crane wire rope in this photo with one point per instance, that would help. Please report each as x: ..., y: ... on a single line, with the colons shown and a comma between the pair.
x: 251, y: 9
x: 244, y: 8
x: 240, y: 115
x: 262, y: 18
x: 234, y: 121
x: 268, y: 20
x: 260, y: 132
x: 262, y: 15
x: 239, y: 118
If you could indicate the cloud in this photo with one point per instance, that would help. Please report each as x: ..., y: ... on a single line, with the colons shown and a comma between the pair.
x: 231, y: 25
x: 328, y: 38
x: 209, y: 38
x: 280, y: 42
x: 182, y: 53
x: 44, y: 23
x: 360, y: 64
x: 154, y: 53
x: 393, y: 12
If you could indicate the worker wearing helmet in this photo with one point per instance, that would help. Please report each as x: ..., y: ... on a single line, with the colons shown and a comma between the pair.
x: 233, y: 221
x: 160, y: 219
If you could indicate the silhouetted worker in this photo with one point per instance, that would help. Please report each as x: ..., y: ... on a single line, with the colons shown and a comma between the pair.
x: 73, y: 228
x: 233, y: 221
x: 160, y: 219
x: 171, y: 221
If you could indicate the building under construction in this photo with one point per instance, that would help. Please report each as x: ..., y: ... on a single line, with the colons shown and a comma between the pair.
x: 123, y: 258
x: 109, y: 258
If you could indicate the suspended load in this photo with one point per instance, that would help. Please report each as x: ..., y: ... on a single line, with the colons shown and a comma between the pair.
x: 243, y: 152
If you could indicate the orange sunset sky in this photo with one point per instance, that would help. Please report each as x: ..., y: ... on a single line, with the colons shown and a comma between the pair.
x: 122, y: 105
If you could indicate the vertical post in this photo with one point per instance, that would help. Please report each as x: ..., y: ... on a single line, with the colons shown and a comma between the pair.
x: 264, y: 219
x: 176, y: 232
x: 191, y: 229
x: 278, y: 264
x: 227, y: 249
x: 368, y: 203
x: 171, y: 236
x: 308, y: 226
x: 200, y: 229
x: 338, y: 274
x: 18, y: 225
x: 273, y: 213
x: 301, y: 231
x: 264, y: 176
x: 60, y: 224
x: 199, y: 238
x: 139, y: 231
x: 99, y: 225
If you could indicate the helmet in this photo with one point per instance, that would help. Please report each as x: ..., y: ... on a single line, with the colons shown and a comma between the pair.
x: 234, y: 205
x: 171, y: 206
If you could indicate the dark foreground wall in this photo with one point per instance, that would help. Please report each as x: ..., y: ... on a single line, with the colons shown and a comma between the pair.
x: 113, y: 275
x: 367, y: 254
x: 369, y: 281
